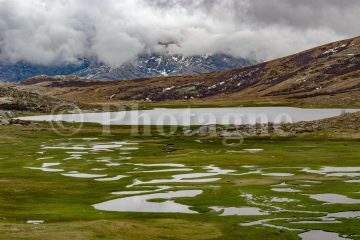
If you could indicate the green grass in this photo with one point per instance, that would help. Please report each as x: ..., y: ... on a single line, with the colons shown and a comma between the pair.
x: 65, y: 202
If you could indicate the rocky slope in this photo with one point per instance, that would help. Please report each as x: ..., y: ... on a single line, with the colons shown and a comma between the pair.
x: 349, y: 122
x: 12, y: 99
x: 143, y: 67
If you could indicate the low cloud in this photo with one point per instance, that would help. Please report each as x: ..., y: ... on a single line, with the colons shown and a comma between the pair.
x: 48, y: 32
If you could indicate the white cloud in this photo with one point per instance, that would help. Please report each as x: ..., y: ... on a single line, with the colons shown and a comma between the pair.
x: 61, y: 31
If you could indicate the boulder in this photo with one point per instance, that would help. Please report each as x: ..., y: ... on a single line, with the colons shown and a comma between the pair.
x: 5, y: 117
x: 206, y: 130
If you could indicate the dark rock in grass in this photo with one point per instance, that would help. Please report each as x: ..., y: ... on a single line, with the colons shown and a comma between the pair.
x: 169, y: 148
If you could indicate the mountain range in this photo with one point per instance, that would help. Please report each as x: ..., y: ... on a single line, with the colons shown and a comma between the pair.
x: 145, y: 66
x: 327, y: 75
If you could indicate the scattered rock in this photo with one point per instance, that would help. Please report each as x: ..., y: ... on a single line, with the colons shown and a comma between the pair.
x: 5, y: 117
x: 205, y: 130
x: 226, y: 133
x: 12, y: 99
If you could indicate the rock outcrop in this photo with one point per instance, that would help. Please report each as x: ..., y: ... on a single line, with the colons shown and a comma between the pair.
x: 12, y: 99
x: 5, y: 117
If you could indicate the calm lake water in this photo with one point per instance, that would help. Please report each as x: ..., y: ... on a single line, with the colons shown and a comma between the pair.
x: 199, y: 116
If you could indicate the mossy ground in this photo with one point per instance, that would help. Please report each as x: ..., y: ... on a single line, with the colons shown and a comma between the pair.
x: 65, y: 203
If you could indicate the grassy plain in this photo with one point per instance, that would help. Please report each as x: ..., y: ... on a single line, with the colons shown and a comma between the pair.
x: 65, y: 203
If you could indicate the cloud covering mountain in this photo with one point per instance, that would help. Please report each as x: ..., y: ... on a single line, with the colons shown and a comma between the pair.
x: 50, y: 32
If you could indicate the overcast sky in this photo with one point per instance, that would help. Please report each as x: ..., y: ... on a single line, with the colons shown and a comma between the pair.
x: 115, y: 31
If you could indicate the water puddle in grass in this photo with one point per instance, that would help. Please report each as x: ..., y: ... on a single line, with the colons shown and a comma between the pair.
x: 343, y: 174
x: 113, y: 164
x: 248, y: 166
x: 65, y: 148
x: 278, y: 174
x: 178, y: 179
x: 159, y: 188
x: 242, y: 211
x: 320, y: 235
x: 266, y: 223
x: 248, y: 173
x: 44, y: 158
x: 73, y: 157
x: 350, y: 214
x: 35, y: 222
x: 77, y: 153
x: 353, y: 181
x: 89, y: 139
x: 335, y: 171
x: 98, y: 169
x: 310, y: 181
x: 286, y: 190
x: 166, y: 170
x: 105, y: 147
x: 282, y: 200
x: 334, y: 199
x: 116, y: 178
x: 129, y: 148
x: 255, y: 150
x: 283, y: 184
x: 131, y: 192
x: 218, y: 171
x: 324, y: 221
x: 46, y: 165
x: 160, y: 165
x: 142, y: 203
x: 44, y: 169
x: 189, y: 178
x: 76, y: 174
x: 93, y: 147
